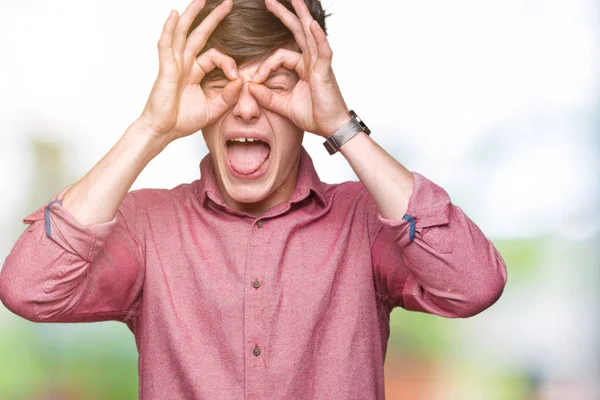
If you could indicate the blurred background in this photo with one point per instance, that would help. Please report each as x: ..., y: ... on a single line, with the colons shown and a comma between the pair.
x: 498, y: 102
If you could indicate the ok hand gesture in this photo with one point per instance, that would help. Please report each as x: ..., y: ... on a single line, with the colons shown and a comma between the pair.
x: 315, y: 104
x: 177, y: 106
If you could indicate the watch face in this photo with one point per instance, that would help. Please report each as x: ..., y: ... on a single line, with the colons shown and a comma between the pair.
x: 359, y: 121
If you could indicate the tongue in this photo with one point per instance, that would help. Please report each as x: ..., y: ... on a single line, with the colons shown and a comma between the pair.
x: 247, y: 157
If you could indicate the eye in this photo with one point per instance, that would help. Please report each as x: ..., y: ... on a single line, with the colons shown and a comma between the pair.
x: 214, y: 85
x: 277, y: 88
x: 280, y: 83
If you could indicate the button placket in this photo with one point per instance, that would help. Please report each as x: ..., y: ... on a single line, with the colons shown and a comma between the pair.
x: 254, y: 321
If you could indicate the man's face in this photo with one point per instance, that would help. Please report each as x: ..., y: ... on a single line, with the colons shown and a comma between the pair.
x: 245, y: 181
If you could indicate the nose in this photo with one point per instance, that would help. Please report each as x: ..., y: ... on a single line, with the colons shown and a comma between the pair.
x: 246, y: 108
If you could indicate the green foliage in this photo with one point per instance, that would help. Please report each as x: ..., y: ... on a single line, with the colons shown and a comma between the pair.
x: 523, y: 257
x: 37, y: 359
x: 419, y: 333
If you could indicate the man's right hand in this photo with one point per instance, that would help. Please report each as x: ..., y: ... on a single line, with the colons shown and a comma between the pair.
x: 177, y: 105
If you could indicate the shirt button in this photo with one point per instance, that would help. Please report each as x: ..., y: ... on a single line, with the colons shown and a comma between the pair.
x: 256, y: 283
x: 259, y: 223
x: 256, y: 351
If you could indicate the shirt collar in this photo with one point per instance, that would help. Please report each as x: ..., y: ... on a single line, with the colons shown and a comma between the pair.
x: 308, y: 180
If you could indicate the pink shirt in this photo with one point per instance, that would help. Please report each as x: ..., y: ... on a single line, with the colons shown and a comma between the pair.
x: 292, y: 305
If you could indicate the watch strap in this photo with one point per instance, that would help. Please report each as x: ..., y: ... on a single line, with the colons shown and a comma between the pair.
x: 346, y: 132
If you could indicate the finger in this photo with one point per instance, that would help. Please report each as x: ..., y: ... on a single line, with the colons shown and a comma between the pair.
x: 212, y: 59
x: 325, y: 54
x: 289, y: 59
x: 198, y: 38
x: 165, y: 51
x: 185, y: 21
x: 269, y: 99
x: 227, y: 99
x: 291, y: 21
x: 305, y: 20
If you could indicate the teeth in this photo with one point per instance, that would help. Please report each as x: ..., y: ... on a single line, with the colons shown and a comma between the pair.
x: 244, y: 139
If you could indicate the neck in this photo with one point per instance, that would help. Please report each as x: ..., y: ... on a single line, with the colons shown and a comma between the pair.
x: 281, y: 194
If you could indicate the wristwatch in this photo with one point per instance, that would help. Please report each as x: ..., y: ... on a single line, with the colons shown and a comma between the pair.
x: 345, y: 133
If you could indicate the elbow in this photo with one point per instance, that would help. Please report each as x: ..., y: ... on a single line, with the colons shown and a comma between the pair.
x: 484, y: 292
x: 22, y: 286
x: 16, y: 299
x: 476, y: 303
x: 36, y: 301
x: 464, y: 302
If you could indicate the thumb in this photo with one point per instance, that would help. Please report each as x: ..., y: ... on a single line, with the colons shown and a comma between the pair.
x: 231, y: 91
x: 268, y: 99
x: 227, y: 98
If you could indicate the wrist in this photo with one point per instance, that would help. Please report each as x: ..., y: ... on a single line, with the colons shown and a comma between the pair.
x: 347, y: 130
x: 339, y: 122
x: 142, y: 133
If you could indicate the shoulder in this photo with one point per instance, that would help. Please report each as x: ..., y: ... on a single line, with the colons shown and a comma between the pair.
x: 151, y: 199
x: 348, y: 194
x: 349, y: 189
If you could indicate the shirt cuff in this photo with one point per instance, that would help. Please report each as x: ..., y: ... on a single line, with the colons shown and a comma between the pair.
x: 60, y: 226
x: 429, y: 205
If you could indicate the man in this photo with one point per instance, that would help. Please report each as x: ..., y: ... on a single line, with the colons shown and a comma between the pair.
x: 257, y: 281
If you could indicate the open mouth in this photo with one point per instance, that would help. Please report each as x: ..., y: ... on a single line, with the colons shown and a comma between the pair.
x: 247, y: 157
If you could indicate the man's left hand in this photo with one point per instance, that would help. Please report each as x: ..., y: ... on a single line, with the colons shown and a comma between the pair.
x: 315, y: 104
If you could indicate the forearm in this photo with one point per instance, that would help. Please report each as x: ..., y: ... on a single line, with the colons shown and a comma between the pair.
x: 388, y: 182
x: 96, y: 197
x: 456, y: 270
x: 438, y: 261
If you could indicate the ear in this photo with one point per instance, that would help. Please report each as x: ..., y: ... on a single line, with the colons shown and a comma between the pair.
x: 292, y: 46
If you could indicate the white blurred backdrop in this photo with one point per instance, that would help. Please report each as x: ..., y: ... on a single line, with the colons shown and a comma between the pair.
x: 496, y: 101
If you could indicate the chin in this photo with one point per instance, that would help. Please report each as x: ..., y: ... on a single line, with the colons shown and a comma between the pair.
x: 247, y: 191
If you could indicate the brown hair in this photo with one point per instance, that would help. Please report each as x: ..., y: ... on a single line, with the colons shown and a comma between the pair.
x: 250, y: 30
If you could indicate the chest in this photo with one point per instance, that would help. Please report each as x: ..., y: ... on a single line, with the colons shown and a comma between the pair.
x: 280, y: 263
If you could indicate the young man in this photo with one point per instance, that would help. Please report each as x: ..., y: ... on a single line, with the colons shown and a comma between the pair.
x: 257, y: 281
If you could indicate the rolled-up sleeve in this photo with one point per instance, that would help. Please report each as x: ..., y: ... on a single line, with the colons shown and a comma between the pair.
x: 60, y: 270
x: 435, y: 260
